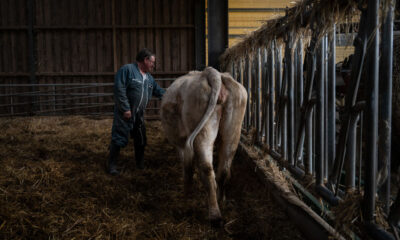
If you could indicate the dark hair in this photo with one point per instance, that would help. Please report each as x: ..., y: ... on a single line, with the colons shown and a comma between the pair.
x: 143, y: 54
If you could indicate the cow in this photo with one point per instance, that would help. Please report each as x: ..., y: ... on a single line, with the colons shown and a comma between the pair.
x: 198, y: 110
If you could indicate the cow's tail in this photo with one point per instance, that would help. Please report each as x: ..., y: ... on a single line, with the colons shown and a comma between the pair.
x: 214, y: 80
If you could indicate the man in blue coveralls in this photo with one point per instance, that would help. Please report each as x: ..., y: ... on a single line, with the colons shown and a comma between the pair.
x: 133, y: 88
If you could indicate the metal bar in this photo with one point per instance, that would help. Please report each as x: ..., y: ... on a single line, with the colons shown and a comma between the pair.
x: 290, y: 96
x: 60, y: 109
x: 65, y: 94
x: 306, y: 113
x: 71, y: 84
x: 320, y: 123
x: 326, y: 151
x: 300, y: 77
x: 350, y: 100
x: 82, y: 74
x: 283, y: 109
x: 271, y: 84
x: 247, y: 77
x: 360, y: 150
x: 217, y: 30
x: 308, y: 162
x: 371, y: 111
x: 46, y: 101
x: 278, y: 71
x: 351, y: 154
x: 265, y: 131
x: 331, y: 150
x: 257, y: 81
x: 385, y: 106
x: 200, y: 34
x: 38, y: 93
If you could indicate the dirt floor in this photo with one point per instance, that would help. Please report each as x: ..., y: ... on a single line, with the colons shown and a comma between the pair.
x: 53, y: 186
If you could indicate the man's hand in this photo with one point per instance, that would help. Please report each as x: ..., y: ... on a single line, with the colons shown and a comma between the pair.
x: 127, y: 115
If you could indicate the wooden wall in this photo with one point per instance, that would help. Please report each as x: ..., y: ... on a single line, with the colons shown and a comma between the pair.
x: 84, y: 43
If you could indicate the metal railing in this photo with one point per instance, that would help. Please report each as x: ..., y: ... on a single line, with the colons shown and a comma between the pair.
x: 60, y: 99
x: 293, y: 111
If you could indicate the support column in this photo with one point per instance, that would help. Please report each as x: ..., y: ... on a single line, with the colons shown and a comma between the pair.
x: 200, y: 34
x: 217, y: 30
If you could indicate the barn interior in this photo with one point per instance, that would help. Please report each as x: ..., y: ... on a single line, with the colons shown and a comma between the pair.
x: 57, y: 71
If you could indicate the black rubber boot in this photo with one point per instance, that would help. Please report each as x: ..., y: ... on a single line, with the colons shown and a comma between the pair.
x: 112, y: 160
x: 139, y: 157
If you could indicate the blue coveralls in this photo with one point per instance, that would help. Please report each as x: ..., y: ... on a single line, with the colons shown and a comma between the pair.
x: 133, y: 93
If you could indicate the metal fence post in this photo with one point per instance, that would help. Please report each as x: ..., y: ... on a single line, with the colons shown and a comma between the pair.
x: 271, y: 101
x: 320, y: 121
x: 371, y: 111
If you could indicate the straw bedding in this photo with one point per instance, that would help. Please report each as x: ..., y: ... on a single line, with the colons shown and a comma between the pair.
x: 53, y: 186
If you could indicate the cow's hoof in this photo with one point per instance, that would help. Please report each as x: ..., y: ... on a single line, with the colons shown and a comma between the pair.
x: 217, y: 222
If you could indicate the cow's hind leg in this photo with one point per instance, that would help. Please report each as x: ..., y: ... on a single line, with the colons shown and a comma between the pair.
x: 207, y: 176
x: 203, y: 145
x: 188, y: 171
x: 225, y: 156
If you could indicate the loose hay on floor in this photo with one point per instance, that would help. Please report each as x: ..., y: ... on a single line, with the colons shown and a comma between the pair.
x: 53, y: 185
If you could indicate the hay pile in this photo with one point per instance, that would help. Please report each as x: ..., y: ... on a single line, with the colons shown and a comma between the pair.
x: 305, y: 15
x: 53, y: 185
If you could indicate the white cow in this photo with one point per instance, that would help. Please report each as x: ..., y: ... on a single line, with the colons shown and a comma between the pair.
x: 196, y: 110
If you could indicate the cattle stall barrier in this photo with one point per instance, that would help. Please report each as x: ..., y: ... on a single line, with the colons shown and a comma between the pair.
x: 289, y: 70
x: 67, y: 98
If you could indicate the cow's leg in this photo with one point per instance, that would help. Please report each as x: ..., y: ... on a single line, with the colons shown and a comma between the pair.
x: 203, y: 146
x: 225, y: 157
x: 229, y: 133
x: 207, y: 176
x: 188, y: 171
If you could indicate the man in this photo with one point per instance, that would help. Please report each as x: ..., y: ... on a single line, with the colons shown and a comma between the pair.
x: 133, y: 88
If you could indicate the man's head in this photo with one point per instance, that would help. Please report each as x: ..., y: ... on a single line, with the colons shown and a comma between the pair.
x: 146, y: 60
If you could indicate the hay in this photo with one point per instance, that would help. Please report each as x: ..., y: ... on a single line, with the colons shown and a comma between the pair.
x: 305, y: 15
x: 53, y: 185
x: 349, y: 213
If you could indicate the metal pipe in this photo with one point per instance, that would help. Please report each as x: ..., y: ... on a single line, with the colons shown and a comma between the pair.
x: 246, y: 79
x: 290, y: 95
x: 371, y: 111
x: 320, y: 126
x: 360, y: 43
x: 332, y: 100
x: 326, y: 151
x: 351, y: 154
x: 257, y: 80
x: 385, y: 106
x: 278, y: 71
x: 265, y: 100
x: 271, y: 85
x: 284, y: 109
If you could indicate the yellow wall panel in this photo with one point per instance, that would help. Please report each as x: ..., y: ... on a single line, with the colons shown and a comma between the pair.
x: 259, y: 3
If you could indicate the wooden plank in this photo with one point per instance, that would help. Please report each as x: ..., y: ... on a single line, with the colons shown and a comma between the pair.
x: 91, y: 39
x: 114, y: 36
x: 158, y: 37
x: 166, y: 5
x: 49, y: 39
x: 124, y: 35
x: 183, y: 12
x: 149, y: 21
x: 3, y: 13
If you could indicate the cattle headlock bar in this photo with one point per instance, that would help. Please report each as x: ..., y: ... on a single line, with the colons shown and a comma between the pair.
x: 288, y: 67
